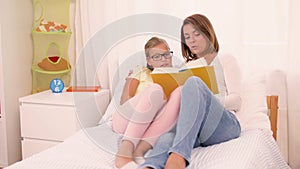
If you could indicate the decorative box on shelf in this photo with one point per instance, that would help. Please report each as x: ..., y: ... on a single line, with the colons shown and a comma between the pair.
x: 49, y: 118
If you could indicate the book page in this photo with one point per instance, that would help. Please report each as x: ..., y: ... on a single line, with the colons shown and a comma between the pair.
x: 195, y: 63
x: 162, y: 70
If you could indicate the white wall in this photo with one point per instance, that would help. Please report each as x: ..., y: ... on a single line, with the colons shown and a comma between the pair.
x: 3, y: 149
x: 293, y: 85
x: 16, y: 22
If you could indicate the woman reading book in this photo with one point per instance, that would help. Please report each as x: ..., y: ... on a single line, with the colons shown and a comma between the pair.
x: 204, y: 118
x: 144, y: 113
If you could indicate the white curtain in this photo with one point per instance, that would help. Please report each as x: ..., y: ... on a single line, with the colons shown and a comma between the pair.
x: 258, y: 33
x: 254, y: 31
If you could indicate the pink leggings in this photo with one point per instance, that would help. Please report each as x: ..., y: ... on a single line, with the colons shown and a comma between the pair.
x: 146, y: 115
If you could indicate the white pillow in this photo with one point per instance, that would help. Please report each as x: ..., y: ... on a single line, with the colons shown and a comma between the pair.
x: 116, y: 88
x: 107, y: 117
x: 117, y: 76
x: 253, y: 112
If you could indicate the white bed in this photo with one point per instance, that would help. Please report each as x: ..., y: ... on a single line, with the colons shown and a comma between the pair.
x: 95, y: 147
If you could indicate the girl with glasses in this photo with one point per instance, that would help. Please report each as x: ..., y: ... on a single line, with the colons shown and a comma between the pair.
x: 144, y: 113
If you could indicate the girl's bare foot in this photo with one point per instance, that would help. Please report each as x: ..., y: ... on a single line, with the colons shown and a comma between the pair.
x: 121, y: 161
x: 125, y: 154
x: 142, y: 148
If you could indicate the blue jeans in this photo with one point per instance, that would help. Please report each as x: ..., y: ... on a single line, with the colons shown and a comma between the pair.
x: 202, y: 121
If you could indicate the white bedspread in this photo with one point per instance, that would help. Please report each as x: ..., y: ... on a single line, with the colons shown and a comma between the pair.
x: 94, y: 148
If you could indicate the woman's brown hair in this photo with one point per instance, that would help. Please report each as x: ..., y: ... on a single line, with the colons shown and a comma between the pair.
x: 202, y: 24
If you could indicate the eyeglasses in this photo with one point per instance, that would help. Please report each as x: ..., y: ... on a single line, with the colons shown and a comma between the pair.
x: 158, y: 57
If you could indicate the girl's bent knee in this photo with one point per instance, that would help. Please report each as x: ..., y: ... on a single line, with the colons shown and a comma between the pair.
x: 154, y: 90
x: 156, y: 86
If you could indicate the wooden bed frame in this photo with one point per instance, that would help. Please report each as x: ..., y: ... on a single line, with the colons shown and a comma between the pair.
x: 272, y: 102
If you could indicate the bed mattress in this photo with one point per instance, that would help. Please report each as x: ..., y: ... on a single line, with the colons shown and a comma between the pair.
x: 94, y: 148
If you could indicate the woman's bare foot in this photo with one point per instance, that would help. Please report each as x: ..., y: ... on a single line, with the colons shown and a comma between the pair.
x: 175, y: 161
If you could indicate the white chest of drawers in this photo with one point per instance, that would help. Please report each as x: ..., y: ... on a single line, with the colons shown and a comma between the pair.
x: 48, y: 118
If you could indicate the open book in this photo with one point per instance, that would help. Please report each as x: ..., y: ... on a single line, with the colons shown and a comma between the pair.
x: 170, y: 78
